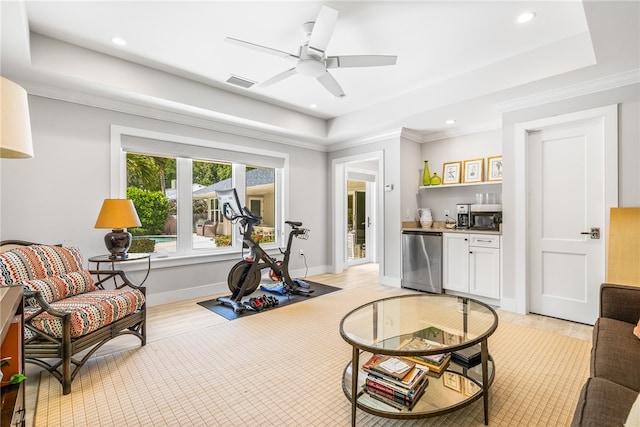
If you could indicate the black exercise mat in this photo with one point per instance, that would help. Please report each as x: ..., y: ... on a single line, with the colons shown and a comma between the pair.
x: 228, y: 313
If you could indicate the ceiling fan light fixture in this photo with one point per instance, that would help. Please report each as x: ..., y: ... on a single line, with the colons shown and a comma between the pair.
x: 312, y: 61
x: 310, y: 67
x: 450, y: 122
x: 525, y: 17
x: 118, y: 41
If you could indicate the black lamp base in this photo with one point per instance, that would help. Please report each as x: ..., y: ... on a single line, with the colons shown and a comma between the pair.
x: 118, y: 242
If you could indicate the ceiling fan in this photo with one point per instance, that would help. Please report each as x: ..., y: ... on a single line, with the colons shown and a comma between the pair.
x: 312, y: 60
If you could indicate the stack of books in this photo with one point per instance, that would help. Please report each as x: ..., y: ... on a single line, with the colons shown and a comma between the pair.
x: 468, y: 357
x: 396, y: 381
x: 436, y: 363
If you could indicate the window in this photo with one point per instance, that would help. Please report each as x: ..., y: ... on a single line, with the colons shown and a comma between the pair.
x: 255, y: 206
x: 209, y: 229
x: 147, y: 178
x: 173, y: 181
x: 260, y: 199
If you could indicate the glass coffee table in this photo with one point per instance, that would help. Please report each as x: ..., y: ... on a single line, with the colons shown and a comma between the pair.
x: 450, y: 324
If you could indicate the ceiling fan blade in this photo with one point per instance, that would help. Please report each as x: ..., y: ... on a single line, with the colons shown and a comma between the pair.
x: 260, y: 48
x: 348, y: 61
x: 331, y: 84
x: 278, y: 77
x: 323, y: 29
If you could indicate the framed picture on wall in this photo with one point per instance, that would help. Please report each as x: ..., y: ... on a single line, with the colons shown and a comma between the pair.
x: 473, y: 170
x: 451, y: 173
x: 494, y: 168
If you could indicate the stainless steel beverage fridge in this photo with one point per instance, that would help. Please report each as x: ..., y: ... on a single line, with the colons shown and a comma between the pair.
x: 422, y: 261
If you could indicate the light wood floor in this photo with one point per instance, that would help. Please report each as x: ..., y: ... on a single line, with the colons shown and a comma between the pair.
x: 176, y: 318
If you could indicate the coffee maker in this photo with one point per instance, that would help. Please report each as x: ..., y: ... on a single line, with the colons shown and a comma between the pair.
x: 464, y: 212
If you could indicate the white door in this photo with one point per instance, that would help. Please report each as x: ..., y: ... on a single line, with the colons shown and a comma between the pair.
x: 566, y: 199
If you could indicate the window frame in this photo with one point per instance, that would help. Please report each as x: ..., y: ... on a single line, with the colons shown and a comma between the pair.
x: 184, y: 248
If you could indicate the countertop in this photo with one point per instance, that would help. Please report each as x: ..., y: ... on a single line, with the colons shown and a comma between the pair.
x: 439, y: 227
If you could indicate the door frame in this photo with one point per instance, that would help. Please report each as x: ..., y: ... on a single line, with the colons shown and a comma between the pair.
x: 339, y: 217
x: 609, y: 114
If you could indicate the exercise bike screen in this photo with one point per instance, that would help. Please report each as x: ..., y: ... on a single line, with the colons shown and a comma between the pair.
x: 229, y: 198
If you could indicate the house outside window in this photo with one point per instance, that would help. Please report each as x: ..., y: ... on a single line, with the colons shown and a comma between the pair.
x: 261, y: 201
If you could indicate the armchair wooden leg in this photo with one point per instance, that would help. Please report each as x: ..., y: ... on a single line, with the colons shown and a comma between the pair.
x: 66, y: 356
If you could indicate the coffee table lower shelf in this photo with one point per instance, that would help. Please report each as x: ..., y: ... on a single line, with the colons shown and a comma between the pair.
x: 454, y: 389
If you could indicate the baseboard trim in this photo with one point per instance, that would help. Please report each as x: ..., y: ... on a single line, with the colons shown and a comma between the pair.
x: 188, y: 293
x: 390, y: 281
x: 509, y: 304
x: 312, y: 271
x: 216, y: 288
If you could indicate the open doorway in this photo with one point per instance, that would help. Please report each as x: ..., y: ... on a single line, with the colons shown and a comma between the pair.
x: 359, y: 221
x: 360, y: 215
x: 368, y: 168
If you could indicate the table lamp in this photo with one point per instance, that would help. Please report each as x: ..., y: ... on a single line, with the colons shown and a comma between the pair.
x: 118, y: 214
x: 15, y: 133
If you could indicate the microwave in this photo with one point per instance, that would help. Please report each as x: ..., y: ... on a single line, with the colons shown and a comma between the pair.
x: 485, y: 217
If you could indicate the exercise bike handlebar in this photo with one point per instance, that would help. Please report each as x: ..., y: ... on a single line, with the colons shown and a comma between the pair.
x: 248, y: 217
x: 230, y: 213
x: 229, y: 198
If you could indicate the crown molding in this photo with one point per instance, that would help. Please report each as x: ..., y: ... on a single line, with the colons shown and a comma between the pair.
x: 179, y: 114
x: 412, y: 135
x: 612, y: 81
x: 197, y: 117
x: 461, y: 131
x: 369, y: 139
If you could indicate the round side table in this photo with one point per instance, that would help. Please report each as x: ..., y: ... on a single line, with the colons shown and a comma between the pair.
x: 99, y: 259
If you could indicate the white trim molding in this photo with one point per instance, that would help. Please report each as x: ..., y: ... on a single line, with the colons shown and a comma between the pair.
x: 584, y: 88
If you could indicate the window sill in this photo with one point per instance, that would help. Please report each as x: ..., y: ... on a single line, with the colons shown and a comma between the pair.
x: 174, y: 260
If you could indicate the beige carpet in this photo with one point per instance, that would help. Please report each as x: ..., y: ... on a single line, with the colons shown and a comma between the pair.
x: 284, y: 368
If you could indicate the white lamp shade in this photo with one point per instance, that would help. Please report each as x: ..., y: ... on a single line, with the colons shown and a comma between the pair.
x: 15, y: 133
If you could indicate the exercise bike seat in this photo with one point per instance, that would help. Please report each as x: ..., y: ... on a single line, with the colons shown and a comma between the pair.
x: 293, y: 223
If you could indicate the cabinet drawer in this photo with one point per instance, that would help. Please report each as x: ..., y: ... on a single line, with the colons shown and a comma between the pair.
x: 484, y: 240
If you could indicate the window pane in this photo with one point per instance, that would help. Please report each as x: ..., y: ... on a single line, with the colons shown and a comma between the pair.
x: 149, y: 186
x: 210, y: 229
x: 261, y: 198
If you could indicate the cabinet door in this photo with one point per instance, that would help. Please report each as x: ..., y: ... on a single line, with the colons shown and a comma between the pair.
x: 455, y: 261
x: 484, y: 271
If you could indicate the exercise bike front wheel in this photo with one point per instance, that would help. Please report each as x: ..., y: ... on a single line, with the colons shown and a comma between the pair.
x: 240, y: 272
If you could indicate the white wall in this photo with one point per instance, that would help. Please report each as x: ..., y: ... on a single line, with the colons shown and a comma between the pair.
x: 628, y: 98
x: 411, y: 162
x: 56, y: 196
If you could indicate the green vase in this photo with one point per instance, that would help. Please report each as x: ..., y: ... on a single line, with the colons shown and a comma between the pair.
x: 435, y: 179
x: 426, y: 175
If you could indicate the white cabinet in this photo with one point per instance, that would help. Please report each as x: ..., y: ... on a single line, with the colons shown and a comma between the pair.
x: 455, y: 262
x: 484, y: 265
x: 471, y: 264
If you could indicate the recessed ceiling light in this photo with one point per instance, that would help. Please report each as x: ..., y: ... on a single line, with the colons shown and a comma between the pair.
x: 450, y: 122
x: 526, y: 17
x: 118, y: 41
x: 313, y: 106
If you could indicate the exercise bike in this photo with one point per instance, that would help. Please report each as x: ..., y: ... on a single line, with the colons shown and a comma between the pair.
x: 244, y: 277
